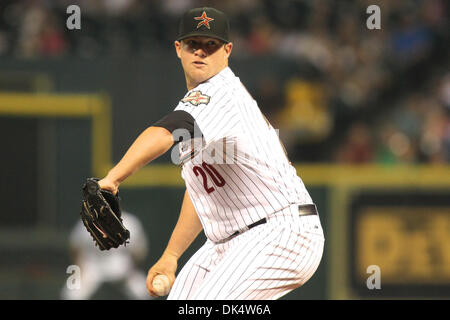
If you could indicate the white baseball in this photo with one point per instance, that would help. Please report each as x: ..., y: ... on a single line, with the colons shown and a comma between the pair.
x: 161, y: 284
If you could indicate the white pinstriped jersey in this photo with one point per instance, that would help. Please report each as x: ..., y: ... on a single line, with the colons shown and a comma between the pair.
x: 254, y: 178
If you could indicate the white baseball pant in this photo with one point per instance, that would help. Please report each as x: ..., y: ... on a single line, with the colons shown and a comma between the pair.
x: 263, y: 263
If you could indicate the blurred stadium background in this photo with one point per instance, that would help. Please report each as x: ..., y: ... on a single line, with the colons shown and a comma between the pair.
x: 364, y: 115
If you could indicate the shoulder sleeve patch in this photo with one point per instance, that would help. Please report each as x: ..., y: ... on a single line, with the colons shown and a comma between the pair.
x: 196, y: 98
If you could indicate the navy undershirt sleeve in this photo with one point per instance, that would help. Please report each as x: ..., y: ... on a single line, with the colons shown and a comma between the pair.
x: 179, y: 119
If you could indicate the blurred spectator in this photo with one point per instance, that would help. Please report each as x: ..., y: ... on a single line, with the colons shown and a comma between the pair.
x: 262, y: 37
x: 304, y: 116
x: 117, y: 7
x: 51, y: 39
x: 444, y: 90
x: 30, y: 24
x: 435, y: 136
x: 394, y: 146
x: 411, y: 41
x: 358, y: 146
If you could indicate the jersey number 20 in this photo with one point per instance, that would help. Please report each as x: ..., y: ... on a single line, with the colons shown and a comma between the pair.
x: 212, y: 173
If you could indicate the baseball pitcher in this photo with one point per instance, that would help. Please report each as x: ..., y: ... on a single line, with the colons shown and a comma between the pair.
x: 264, y: 236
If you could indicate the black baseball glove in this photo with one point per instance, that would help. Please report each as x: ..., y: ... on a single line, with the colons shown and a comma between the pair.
x: 101, y: 215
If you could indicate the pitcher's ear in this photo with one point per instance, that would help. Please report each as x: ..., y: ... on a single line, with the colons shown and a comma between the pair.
x: 177, y: 45
x: 228, y: 48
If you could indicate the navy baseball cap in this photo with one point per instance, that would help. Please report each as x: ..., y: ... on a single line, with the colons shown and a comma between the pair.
x: 204, y: 22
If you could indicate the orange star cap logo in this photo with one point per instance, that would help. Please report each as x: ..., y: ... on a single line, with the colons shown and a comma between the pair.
x: 205, y: 20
